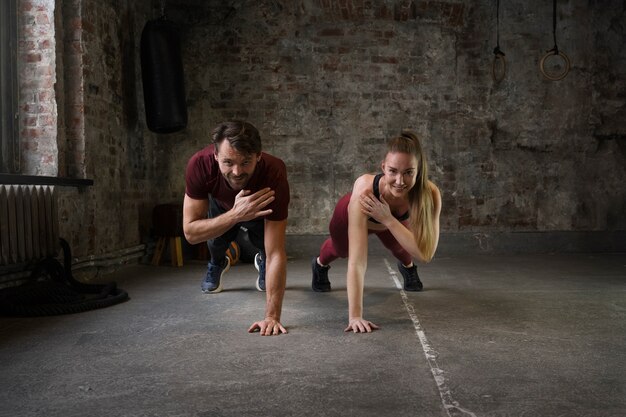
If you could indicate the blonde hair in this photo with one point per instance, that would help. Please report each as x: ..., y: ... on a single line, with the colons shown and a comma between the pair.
x: 421, y: 205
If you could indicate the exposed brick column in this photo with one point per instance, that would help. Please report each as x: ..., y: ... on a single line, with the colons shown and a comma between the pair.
x: 74, y: 88
x: 37, y: 76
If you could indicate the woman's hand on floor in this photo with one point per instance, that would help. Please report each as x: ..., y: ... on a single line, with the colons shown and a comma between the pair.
x: 359, y: 325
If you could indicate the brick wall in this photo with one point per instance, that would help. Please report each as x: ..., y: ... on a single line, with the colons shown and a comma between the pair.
x: 328, y: 81
x: 37, y: 76
x: 119, y: 153
x: 82, y: 116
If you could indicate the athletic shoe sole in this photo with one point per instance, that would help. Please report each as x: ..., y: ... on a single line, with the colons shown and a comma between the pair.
x: 256, y: 265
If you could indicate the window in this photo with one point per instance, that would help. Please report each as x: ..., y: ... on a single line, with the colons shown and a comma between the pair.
x: 9, y: 138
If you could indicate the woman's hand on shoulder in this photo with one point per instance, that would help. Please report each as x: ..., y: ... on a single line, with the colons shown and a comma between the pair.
x: 377, y: 209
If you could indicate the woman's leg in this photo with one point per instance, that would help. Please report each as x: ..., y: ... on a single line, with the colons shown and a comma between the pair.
x: 336, y: 246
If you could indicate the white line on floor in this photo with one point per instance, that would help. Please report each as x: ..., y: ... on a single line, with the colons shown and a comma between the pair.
x: 451, y: 406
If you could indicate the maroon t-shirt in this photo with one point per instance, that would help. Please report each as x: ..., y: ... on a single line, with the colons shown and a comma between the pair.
x: 203, y: 179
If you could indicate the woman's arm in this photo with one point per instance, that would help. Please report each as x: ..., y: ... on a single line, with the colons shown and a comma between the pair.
x: 379, y: 210
x: 357, y: 258
x: 437, y: 212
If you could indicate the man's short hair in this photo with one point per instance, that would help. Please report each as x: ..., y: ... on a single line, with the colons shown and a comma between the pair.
x: 242, y: 136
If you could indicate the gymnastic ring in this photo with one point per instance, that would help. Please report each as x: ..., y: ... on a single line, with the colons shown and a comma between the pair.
x: 498, y: 58
x: 557, y: 76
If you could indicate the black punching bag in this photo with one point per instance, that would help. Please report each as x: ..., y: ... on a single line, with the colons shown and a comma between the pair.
x: 163, y: 79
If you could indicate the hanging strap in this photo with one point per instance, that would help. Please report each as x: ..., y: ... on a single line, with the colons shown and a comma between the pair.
x: 163, y: 9
x: 498, y: 66
x: 497, y: 51
x: 556, y: 48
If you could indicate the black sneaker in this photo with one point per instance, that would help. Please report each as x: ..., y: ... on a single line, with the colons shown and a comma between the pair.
x: 212, y: 282
x: 320, y: 281
x: 411, y: 279
x: 259, y: 264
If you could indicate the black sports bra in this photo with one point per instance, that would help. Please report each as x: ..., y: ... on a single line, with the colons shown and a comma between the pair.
x: 377, y: 195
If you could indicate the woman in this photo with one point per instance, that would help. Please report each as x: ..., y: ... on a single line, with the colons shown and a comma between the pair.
x: 401, y: 206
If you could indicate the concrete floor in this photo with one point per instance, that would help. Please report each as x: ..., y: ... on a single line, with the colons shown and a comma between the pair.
x: 518, y: 335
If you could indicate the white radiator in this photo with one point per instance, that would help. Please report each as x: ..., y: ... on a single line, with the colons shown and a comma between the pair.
x: 29, y: 227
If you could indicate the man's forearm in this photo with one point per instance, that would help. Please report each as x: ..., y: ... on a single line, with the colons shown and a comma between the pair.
x: 204, y: 229
x: 275, y: 282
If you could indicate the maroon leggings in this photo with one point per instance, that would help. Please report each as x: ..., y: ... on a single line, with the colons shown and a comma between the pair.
x: 336, y: 246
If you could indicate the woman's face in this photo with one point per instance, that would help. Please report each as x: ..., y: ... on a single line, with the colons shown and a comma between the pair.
x: 400, y: 171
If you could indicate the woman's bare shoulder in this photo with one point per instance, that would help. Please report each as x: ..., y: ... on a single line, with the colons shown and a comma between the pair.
x: 434, y: 189
x: 363, y: 184
x: 436, y: 195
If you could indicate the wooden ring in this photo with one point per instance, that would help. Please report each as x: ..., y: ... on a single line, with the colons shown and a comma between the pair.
x: 557, y: 76
x: 497, y: 77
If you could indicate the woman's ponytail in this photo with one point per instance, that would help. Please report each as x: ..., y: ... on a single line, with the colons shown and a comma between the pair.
x: 421, y: 211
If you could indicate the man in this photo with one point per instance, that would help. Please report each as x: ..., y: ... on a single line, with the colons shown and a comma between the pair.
x: 239, y: 185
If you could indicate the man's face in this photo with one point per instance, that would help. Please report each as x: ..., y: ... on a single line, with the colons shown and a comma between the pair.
x: 237, y: 168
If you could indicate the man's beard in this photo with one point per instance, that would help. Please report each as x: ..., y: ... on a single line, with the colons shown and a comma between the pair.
x: 237, y: 183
